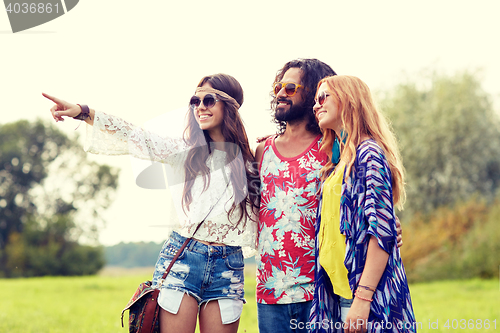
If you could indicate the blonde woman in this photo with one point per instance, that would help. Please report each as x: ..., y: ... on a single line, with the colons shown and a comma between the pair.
x: 360, y: 282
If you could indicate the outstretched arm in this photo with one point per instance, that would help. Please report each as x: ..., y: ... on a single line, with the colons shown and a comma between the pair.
x: 64, y: 109
x: 112, y: 135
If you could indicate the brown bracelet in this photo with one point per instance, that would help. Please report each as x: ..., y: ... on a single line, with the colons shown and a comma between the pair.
x: 84, y: 114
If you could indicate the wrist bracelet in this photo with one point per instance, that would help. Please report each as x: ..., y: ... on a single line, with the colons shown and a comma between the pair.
x: 84, y: 114
x: 367, y: 288
x: 364, y: 299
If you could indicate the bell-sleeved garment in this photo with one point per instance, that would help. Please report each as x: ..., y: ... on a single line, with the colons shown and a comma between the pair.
x: 366, y: 209
x: 112, y: 135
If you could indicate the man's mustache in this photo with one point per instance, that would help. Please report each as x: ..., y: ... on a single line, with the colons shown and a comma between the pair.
x: 284, y: 100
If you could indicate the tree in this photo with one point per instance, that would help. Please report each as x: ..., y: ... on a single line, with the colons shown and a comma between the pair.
x: 140, y: 254
x: 51, y: 197
x: 449, y: 138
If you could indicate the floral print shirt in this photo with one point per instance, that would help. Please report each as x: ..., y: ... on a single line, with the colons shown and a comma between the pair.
x: 285, y: 258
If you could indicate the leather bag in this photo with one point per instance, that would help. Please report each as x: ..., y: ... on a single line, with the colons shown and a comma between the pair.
x: 143, y: 307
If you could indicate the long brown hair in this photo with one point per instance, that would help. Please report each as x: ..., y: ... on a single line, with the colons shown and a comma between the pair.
x: 360, y: 117
x: 243, y: 175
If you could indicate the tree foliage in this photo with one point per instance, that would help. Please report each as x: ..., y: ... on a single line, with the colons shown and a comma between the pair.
x: 51, y: 197
x: 141, y: 254
x: 449, y: 139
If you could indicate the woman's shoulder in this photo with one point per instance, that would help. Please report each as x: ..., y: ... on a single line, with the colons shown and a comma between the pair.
x: 368, y: 150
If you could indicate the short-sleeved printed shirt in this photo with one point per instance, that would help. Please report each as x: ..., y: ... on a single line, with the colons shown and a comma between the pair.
x: 367, y: 209
x: 285, y: 259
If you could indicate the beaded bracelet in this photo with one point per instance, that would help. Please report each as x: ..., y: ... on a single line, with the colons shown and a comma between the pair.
x: 364, y: 299
x: 84, y: 114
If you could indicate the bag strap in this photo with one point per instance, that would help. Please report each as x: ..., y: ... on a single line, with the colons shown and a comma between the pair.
x: 164, y: 276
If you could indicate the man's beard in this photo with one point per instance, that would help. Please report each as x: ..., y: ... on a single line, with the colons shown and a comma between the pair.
x: 294, y: 112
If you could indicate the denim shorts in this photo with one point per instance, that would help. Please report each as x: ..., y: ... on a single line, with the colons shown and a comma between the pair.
x: 345, y: 306
x: 204, y: 272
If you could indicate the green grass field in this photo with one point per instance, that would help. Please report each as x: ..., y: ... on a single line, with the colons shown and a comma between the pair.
x: 93, y: 304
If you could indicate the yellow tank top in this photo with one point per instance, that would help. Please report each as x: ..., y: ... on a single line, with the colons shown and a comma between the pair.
x: 331, y: 241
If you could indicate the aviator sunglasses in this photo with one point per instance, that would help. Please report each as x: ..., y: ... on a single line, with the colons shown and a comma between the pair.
x: 209, y: 101
x: 290, y: 88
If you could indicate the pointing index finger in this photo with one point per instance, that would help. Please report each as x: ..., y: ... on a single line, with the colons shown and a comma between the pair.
x: 52, y: 98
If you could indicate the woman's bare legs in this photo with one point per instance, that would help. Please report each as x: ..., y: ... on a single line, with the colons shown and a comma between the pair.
x: 185, y: 319
x: 211, y: 322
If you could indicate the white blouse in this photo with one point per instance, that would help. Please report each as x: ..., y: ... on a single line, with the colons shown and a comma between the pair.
x: 112, y: 135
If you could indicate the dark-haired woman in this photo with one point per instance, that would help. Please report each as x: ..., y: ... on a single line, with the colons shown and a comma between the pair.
x: 213, y: 161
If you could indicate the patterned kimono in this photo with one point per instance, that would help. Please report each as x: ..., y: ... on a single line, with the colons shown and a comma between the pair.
x: 366, y: 209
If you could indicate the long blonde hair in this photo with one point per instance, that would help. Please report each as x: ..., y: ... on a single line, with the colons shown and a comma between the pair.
x: 360, y: 117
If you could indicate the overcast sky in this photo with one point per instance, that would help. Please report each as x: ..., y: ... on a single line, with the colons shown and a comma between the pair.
x: 139, y: 60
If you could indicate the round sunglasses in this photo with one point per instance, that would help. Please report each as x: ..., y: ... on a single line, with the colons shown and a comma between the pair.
x: 290, y: 88
x: 321, y: 98
x: 208, y: 101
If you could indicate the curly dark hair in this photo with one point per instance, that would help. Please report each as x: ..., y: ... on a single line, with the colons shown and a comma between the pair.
x: 313, y: 71
x: 243, y: 175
